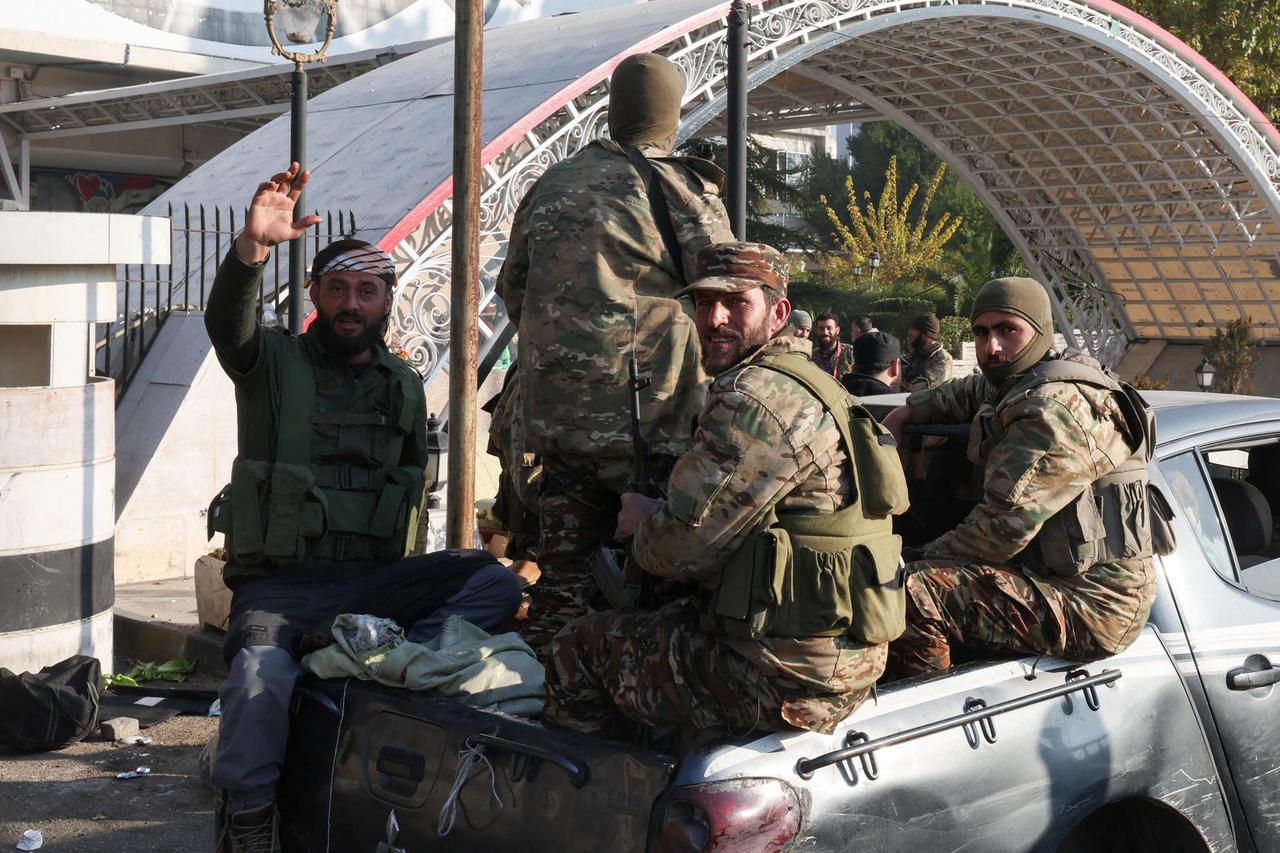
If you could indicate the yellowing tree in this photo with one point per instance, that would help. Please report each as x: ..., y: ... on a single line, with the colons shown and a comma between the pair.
x: 909, y: 250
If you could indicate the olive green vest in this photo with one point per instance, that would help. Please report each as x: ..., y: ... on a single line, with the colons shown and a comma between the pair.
x: 1117, y: 517
x: 806, y: 574
x: 292, y: 507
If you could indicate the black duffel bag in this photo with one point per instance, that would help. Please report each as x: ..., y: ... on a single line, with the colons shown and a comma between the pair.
x: 52, y: 708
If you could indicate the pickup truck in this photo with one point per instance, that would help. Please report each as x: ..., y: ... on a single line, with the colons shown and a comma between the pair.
x: 1173, y: 745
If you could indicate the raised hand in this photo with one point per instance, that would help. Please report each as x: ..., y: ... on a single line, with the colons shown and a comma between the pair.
x: 270, y: 220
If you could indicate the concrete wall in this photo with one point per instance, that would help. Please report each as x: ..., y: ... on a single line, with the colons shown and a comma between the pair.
x: 57, y: 447
x: 175, y: 441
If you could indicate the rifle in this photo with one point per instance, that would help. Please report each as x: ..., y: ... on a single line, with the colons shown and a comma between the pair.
x: 621, y: 587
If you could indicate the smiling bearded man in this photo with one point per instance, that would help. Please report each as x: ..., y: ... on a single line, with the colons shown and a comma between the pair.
x: 772, y: 461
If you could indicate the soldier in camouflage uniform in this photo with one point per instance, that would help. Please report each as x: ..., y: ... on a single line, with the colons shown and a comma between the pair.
x: 587, y: 280
x: 516, y: 503
x: 1036, y: 568
x: 765, y: 446
x: 928, y: 365
x: 829, y: 352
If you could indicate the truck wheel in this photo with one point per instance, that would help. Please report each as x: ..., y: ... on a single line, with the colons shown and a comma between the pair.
x: 1135, y: 826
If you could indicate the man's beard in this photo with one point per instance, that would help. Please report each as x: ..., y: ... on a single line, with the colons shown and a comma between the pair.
x: 746, y: 345
x: 342, y: 345
x: 918, y: 343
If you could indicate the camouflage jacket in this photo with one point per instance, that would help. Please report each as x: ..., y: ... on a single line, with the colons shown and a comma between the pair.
x: 763, y: 441
x: 838, y: 363
x: 1058, y: 439
x: 586, y: 278
x: 926, y: 368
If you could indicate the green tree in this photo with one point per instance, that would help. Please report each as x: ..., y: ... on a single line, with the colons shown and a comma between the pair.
x: 766, y: 183
x: 1241, y: 37
x: 909, y: 245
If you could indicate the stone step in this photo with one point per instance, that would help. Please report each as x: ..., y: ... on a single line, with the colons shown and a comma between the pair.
x: 157, y: 621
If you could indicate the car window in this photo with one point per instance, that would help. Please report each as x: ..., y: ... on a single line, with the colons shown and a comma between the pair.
x: 1192, y: 493
x: 1247, y: 484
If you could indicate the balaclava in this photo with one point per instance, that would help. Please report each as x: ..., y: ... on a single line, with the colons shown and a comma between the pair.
x: 645, y: 92
x: 1027, y: 298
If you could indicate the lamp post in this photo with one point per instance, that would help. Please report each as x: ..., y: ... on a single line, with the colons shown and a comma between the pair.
x: 1204, y: 375
x: 857, y: 273
x: 298, y: 20
x: 874, y: 260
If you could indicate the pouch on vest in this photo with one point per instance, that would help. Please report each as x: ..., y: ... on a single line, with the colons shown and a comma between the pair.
x: 1162, y: 539
x: 754, y: 580
x: 880, y: 605
x: 296, y: 511
x: 882, y: 484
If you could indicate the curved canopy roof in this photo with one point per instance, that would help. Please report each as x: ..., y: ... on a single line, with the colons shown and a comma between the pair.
x: 1137, y: 182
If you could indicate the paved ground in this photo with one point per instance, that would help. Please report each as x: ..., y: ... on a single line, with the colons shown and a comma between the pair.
x: 73, y: 797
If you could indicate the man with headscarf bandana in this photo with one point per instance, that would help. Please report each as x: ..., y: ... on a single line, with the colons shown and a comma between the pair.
x: 1056, y: 559
x: 323, y: 498
x: 588, y: 280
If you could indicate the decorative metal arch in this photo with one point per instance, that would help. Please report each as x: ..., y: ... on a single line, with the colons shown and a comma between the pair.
x: 1134, y: 179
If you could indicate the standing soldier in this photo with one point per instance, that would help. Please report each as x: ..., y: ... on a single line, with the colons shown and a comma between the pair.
x: 1057, y: 557
x: 590, y: 277
x: 779, y: 492
x: 928, y: 364
x: 829, y: 352
x: 324, y: 494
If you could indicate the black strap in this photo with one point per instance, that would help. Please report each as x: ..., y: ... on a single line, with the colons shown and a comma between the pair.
x: 658, y: 207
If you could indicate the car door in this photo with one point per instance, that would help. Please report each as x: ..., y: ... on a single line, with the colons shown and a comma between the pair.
x: 1225, y: 578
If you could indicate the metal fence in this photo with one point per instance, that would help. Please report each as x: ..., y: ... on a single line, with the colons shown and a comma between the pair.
x: 198, y: 239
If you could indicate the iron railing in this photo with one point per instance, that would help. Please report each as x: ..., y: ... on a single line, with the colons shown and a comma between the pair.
x: 149, y: 293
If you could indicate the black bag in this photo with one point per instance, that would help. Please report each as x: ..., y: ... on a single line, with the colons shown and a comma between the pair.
x: 50, y: 709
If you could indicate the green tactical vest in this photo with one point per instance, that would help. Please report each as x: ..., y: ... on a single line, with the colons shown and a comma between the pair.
x: 1120, y: 516
x: 294, y: 507
x: 806, y: 574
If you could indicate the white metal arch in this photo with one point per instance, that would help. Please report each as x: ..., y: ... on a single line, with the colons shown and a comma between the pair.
x: 1131, y: 175
x: 810, y: 38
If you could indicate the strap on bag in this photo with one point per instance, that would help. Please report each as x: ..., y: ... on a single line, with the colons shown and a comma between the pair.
x: 658, y: 207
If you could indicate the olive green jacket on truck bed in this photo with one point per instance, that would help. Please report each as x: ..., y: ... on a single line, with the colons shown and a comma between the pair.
x: 330, y: 457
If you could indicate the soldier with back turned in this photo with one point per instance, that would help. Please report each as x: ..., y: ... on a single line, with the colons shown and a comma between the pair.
x: 589, y: 281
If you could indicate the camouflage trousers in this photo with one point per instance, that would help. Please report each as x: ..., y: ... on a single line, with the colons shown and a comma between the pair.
x: 578, y: 503
x: 1008, y: 611
x: 608, y: 671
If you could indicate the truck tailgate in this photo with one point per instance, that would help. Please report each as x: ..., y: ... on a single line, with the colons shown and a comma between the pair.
x: 358, y: 751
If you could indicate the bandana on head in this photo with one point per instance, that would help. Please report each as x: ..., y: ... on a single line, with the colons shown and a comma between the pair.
x: 354, y: 255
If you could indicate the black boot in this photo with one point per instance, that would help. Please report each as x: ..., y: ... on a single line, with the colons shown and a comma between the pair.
x: 254, y: 830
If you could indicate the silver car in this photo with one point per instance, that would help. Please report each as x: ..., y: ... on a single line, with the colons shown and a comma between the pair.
x: 1173, y: 745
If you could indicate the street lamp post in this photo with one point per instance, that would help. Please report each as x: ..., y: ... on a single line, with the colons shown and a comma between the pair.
x: 1204, y: 375
x: 298, y: 20
x: 857, y: 273
x: 874, y: 260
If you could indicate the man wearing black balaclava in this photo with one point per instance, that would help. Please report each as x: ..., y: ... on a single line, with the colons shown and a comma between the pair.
x: 590, y: 279
x: 1056, y: 558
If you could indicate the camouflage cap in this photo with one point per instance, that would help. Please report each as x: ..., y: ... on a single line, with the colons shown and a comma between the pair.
x: 738, y: 267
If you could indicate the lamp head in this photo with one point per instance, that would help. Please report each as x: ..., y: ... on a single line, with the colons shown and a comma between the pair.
x: 1204, y: 375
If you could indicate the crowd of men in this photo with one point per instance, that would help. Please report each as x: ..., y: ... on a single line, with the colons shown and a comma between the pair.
x: 773, y: 589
